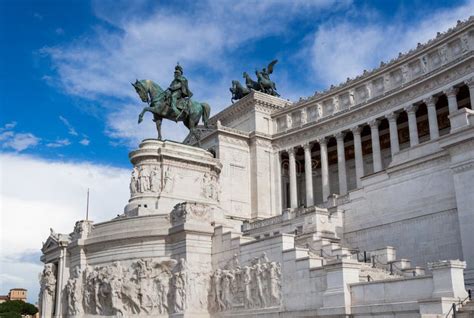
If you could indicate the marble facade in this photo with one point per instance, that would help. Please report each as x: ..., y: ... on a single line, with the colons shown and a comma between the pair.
x: 355, y: 202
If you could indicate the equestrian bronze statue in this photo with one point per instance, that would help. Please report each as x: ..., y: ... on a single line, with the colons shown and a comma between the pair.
x: 174, y: 103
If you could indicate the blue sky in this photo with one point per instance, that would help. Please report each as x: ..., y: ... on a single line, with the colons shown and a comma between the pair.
x: 68, y: 109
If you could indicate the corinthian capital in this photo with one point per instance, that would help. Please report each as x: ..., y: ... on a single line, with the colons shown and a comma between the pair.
x: 452, y: 91
x: 340, y: 135
x: 290, y: 151
x: 470, y: 82
x: 356, y: 130
x: 322, y: 141
x: 374, y: 124
x: 411, y: 108
x: 430, y: 101
x: 306, y: 146
x: 392, y: 116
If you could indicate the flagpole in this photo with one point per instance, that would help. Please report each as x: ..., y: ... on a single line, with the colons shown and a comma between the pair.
x: 87, y: 208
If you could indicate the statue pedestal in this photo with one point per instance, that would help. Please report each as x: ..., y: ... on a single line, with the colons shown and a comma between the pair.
x: 167, y: 173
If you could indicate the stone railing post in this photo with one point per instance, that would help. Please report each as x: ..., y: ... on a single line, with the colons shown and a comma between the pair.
x: 448, y: 279
x: 337, y: 297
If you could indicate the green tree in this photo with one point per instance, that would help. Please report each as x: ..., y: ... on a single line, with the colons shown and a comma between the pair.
x: 16, y: 308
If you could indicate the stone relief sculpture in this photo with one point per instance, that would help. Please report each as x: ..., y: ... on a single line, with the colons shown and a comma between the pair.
x: 145, y: 179
x: 257, y: 285
x: 74, y: 292
x: 187, y: 211
x: 145, y: 287
x: 210, y: 187
x: 48, y: 290
x: 134, y: 181
x: 168, y: 181
x: 81, y: 229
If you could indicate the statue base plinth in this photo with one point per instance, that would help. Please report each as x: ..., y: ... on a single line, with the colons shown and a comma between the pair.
x: 167, y: 173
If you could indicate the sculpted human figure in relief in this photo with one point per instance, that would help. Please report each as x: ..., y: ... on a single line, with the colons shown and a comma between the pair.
x: 255, y: 286
x: 74, y: 292
x: 144, y: 179
x: 48, y: 290
x: 134, y: 181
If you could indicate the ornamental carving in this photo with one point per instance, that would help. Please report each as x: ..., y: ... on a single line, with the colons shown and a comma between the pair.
x: 145, y: 287
x: 145, y: 179
x: 256, y: 285
x: 187, y: 211
x: 47, y: 290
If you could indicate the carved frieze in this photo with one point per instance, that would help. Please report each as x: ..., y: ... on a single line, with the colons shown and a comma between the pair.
x: 256, y: 285
x: 144, y: 287
x: 364, y: 112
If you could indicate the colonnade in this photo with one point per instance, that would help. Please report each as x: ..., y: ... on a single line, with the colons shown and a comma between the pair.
x: 356, y: 131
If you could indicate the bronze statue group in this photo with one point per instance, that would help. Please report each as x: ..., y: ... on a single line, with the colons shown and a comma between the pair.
x: 175, y: 102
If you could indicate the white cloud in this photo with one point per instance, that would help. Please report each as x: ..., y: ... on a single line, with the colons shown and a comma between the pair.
x: 149, y: 43
x: 36, y: 194
x: 18, y: 141
x: 59, y: 143
x: 344, y: 48
x: 71, y: 130
x: 9, y: 126
x: 85, y: 141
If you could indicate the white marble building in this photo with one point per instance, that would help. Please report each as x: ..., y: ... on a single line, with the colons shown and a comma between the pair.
x: 355, y: 202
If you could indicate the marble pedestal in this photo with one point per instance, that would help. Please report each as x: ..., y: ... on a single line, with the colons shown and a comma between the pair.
x: 166, y: 173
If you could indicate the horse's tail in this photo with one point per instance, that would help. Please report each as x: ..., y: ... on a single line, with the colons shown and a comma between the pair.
x: 206, y: 112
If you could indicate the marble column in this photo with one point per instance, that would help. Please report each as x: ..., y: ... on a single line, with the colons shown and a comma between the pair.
x: 341, y: 163
x: 392, y: 123
x: 411, y: 111
x: 376, y: 155
x: 470, y: 84
x: 60, y: 280
x: 308, y: 172
x: 452, y: 101
x: 432, y: 117
x: 359, y: 160
x: 279, y: 186
x: 292, y: 170
x: 324, y: 168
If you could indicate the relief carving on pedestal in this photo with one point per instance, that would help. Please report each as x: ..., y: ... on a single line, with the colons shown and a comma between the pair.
x: 145, y: 287
x: 257, y: 285
x: 210, y: 188
x: 47, y: 290
x: 187, y: 211
x: 145, y: 179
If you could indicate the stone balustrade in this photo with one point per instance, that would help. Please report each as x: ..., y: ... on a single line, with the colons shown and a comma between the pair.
x: 386, y: 79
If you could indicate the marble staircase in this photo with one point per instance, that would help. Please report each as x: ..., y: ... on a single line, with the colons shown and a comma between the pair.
x: 466, y: 311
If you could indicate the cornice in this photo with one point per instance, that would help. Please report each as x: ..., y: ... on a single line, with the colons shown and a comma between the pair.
x: 396, y: 99
x: 384, y: 68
